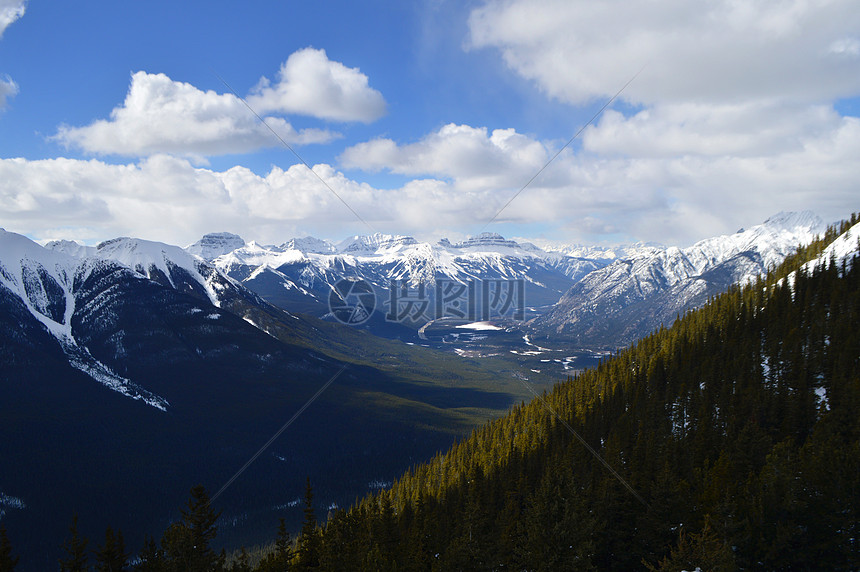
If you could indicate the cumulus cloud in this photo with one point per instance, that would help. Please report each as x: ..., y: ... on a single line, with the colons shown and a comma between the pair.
x: 578, y: 50
x: 676, y: 199
x: 471, y: 156
x: 10, y: 10
x: 734, y: 110
x: 160, y: 115
x: 309, y: 83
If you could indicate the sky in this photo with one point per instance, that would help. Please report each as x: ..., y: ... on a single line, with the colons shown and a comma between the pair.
x: 432, y: 118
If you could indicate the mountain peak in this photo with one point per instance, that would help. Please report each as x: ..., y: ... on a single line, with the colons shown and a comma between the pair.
x: 373, y: 242
x: 215, y: 244
x: 791, y: 220
x: 486, y: 239
x: 309, y: 244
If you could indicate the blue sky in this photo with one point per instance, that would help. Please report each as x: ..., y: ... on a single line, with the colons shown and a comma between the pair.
x: 425, y: 117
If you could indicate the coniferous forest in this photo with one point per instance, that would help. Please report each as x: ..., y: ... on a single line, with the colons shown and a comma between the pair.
x: 728, y: 441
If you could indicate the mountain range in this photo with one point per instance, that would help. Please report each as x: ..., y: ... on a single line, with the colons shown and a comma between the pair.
x: 134, y: 369
x: 583, y: 295
x: 624, y: 301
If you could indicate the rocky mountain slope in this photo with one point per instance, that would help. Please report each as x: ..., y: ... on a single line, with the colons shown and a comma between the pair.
x: 630, y: 297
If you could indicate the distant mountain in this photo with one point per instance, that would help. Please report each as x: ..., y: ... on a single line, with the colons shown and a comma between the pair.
x: 300, y: 274
x: 214, y: 245
x: 627, y: 299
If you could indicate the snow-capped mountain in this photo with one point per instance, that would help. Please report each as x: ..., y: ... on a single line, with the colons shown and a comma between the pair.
x: 46, y: 283
x: 100, y: 306
x: 215, y: 244
x: 300, y: 274
x: 630, y: 297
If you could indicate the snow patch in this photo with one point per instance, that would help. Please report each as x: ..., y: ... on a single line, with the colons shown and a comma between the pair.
x: 479, y: 326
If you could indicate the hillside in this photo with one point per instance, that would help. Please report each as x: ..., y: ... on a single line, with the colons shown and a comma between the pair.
x: 737, y: 432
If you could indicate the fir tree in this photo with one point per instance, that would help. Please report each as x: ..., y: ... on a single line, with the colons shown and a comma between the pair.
x: 186, y: 543
x: 284, y: 542
x: 76, y: 550
x: 113, y: 556
x: 308, y: 554
x: 279, y: 560
x: 697, y: 551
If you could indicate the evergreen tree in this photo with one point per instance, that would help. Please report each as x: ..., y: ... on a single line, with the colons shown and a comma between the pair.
x: 701, y: 551
x: 113, y: 556
x: 76, y: 550
x: 284, y: 542
x: 280, y: 560
x: 242, y: 562
x: 308, y: 555
x: 7, y: 561
x: 151, y: 557
x: 186, y: 543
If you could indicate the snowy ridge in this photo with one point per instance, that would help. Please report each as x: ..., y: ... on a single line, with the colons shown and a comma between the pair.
x: 380, y: 258
x: 840, y: 250
x: 152, y: 259
x: 44, y: 279
x: 630, y: 297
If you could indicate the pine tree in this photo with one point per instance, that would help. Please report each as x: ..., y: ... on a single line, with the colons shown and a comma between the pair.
x: 76, y: 550
x: 281, y: 558
x: 7, y: 561
x: 112, y: 557
x: 242, y: 563
x: 702, y: 551
x: 186, y: 543
x: 284, y: 543
x: 309, y: 543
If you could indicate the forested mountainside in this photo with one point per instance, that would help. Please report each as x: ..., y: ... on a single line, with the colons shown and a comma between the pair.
x: 729, y: 441
x: 737, y: 431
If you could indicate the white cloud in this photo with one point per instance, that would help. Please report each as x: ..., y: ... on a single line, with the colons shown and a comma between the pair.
x: 160, y: 115
x: 734, y: 110
x: 719, y: 51
x: 675, y: 200
x: 10, y: 10
x: 311, y: 84
x: 472, y: 157
x: 751, y: 128
x: 8, y: 88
